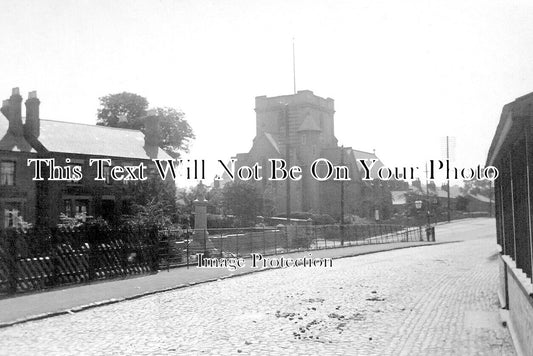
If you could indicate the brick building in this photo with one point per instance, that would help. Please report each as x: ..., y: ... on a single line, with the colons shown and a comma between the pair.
x: 41, y: 202
x: 305, y: 122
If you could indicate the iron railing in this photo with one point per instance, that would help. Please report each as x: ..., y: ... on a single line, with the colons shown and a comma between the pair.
x: 39, y: 259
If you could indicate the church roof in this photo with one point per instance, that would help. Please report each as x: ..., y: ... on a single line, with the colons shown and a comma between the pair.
x: 309, y: 125
x: 367, y: 156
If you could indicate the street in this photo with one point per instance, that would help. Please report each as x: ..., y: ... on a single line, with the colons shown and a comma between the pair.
x: 435, y: 300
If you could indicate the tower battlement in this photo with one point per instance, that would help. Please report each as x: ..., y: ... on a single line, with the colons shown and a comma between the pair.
x: 302, y: 97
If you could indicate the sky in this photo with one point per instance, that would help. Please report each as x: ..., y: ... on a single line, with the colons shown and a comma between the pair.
x: 403, y: 74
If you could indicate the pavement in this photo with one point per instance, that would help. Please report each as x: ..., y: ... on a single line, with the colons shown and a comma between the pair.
x: 428, y: 300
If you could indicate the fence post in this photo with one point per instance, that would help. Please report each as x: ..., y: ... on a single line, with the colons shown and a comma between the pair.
x: 154, y: 242
x: 286, y: 238
x: 53, y: 254
x: 295, y: 241
x: 90, y: 234
x: 276, y: 242
x: 187, y: 236
x: 221, y: 245
x: 251, y: 240
x: 264, y: 241
x: 205, y: 242
x: 11, y: 261
x: 237, y: 244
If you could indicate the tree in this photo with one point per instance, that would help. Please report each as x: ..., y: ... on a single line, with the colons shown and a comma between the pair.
x: 175, y: 130
x: 128, y: 110
x: 154, y: 202
x: 483, y: 187
x: 125, y: 110
x: 242, y: 200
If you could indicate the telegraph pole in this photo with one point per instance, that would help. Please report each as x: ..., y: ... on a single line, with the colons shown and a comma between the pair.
x: 287, y: 160
x: 342, y: 199
x: 448, y: 158
x: 427, y: 196
x: 293, y: 66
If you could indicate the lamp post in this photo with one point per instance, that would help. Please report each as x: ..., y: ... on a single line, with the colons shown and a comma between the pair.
x: 418, y: 205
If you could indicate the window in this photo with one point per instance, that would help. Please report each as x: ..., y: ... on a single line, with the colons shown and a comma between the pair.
x: 73, y: 181
x: 107, y: 175
x: 12, y: 214
x: 78, y: 207
x: 67, y: 207
x: 81, y: 208
x: 7, y: 173
x: 304, y: 139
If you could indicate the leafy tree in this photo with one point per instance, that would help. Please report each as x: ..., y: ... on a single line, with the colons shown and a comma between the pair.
x: 242, y: 200
x: 483, y: 187
x: 175, y: 130
x: 128, y: 110
x: 125, y: 110
x: 154, y: 202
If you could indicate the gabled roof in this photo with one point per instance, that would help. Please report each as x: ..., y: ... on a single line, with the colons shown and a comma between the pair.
x: 10, y: 142
x: 367, y: 156
x: 480, y: 197
x: 75, y: 138
x: 309, y: 125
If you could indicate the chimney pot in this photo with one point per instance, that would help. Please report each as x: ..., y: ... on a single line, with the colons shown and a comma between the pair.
x: 152, y: 129
x: 14, y: 113
x: 33, y: 122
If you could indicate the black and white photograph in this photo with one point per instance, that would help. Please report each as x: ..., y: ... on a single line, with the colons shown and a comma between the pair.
x: 249, y: 177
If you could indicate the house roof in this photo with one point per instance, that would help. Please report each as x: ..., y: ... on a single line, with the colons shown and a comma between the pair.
x: 510, y: 126
x: 10, y: 142
x: 480, y: 197
x: 75, y: 138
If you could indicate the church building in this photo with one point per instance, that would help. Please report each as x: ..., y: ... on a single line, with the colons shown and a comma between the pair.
x: 301, y: 127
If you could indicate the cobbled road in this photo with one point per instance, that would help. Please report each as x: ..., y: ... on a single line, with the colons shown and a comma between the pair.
x: 437, y: 300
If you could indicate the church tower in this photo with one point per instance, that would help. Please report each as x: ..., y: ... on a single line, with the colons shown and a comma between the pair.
x: 311, y: 130
x: 302, y: 106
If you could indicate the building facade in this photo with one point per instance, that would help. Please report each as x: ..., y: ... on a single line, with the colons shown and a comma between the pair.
x: 24, y: 199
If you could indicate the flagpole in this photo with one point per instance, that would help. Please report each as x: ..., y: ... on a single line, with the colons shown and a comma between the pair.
x: 294, y: 66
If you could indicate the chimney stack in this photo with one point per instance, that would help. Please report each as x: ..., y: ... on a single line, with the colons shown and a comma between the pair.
x: 152, y: 129
x: 32, y: 124
x: 14, y: 113
x: 5, y: 108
